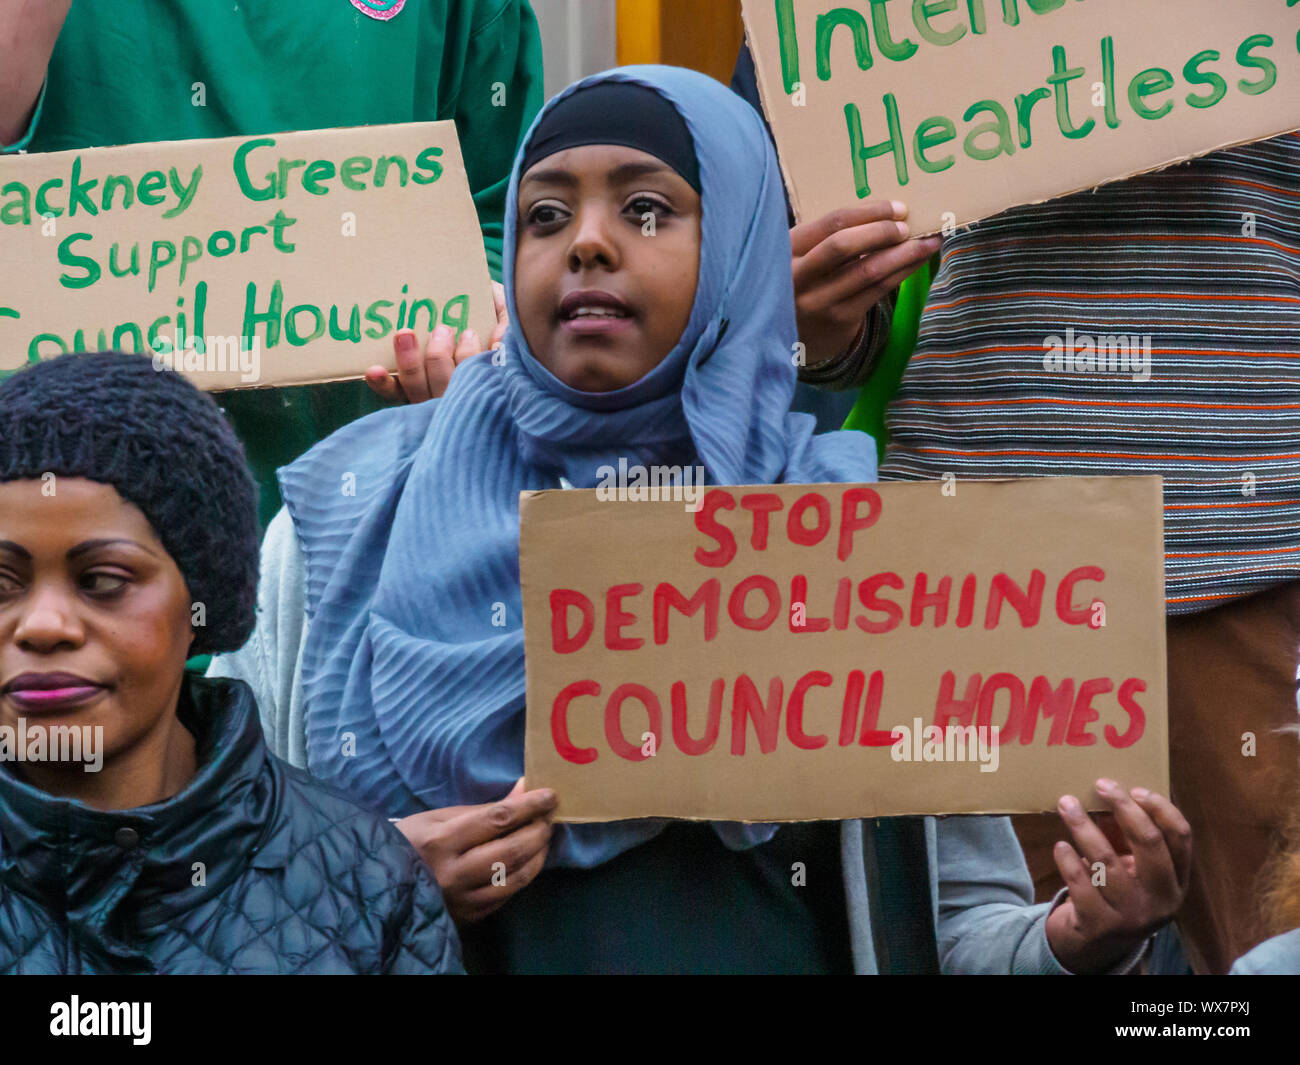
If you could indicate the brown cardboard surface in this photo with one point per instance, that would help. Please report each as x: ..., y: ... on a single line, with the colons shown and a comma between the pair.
x: 1002, y: 63
x: 573, y: 541
x: 349, y: 261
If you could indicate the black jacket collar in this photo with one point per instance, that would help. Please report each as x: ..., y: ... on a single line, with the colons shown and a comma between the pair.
x: 104, y: 869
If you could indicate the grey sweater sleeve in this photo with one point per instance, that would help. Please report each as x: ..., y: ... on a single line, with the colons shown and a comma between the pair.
x: 271, y: 661
x: 988, y: 922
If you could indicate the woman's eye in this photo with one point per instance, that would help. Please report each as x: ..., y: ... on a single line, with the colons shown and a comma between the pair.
x: 644, y: 205
x: 104, y: 584
x: 9, y: 584
x: 545, y: 214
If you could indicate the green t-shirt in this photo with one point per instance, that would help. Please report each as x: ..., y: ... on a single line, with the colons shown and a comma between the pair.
x: 125, y: 71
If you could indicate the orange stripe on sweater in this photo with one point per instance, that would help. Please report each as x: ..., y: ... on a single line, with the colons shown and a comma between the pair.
x: 1095, y: 403
x: 1101, y: 455
x: 1154, y: 296
x: 1217, y: 506
x: 1233, y: 554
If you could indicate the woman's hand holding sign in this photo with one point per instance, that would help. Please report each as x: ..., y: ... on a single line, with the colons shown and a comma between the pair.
x: 1118, y: 899
x: 483, y: 855
x: 422, y: 376
x: 844, y: 264
x: 426, y: 376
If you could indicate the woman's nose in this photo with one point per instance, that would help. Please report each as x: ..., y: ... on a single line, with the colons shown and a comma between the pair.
x: 593, y: 242
x: 48, y: 621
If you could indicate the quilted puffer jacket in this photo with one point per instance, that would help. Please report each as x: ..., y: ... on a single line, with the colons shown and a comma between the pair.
x: 253, y: 868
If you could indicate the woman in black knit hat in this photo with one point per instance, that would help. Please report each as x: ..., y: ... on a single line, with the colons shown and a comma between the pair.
x: 144, y: 827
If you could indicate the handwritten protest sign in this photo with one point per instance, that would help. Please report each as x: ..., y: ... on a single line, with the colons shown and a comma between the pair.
x: 820, y: 652
x: 242, y: 262
x: 963, y: 108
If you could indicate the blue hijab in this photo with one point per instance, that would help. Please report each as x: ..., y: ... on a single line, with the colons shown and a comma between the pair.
x: 413, y: 668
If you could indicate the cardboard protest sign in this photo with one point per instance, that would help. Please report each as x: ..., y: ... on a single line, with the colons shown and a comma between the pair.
x: 242, y: 262
x: 820, y: 652
x: 963, y: 108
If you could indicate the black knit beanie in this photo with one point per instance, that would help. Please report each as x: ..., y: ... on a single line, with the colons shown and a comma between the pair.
x: 167, y: 448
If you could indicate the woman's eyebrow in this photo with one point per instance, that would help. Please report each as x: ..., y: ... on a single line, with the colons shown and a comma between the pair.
x: 624, y: 172
x: 15, y: 549
x: 630, y: 171
x: 550, y: 177
x: 95, y: 545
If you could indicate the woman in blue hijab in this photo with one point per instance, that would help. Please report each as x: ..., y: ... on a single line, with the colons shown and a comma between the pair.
x: 644, y: 219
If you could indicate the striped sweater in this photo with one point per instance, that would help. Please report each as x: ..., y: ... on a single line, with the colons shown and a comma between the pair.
x: 1032, y: 358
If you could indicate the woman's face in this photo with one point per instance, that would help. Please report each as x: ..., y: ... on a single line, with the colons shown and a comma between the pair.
x: 94, y: 614
x: 606, y: 263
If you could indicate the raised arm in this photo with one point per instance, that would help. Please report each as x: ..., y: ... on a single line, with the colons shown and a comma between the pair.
x: 28, y: 30
x: 847, y: 265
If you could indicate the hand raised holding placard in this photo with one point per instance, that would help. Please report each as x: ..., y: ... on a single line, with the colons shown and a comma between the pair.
x: 844, y: 264
x: 1117, y: 900
x: 421, y: 377
x: 483, y: 855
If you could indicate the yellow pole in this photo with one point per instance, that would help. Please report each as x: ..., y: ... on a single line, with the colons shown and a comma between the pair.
x: 638, y: 32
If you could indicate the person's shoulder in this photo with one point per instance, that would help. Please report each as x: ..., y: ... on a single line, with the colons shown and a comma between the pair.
x: 480, y: 14
x: 400, y: 428
x: 383, y: 441
x: 1279, y: 956
x: 324, y: 826
x: 325, y: 844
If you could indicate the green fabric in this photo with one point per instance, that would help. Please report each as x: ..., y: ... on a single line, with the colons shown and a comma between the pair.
x: 868, y: 414
x: 129, y: 72
x: 198, y: 664
x: 277, y: 425
x: 681, y: 903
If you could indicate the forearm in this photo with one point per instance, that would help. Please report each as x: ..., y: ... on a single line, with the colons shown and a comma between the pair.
x: 28, y: 30
x: 987, y: 922
x: 854, y: 367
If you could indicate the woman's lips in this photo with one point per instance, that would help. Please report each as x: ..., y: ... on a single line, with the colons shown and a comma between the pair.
x: 52, y: 699
x: 596, y: 326
x: 594, y: 312
x: 51, y: 691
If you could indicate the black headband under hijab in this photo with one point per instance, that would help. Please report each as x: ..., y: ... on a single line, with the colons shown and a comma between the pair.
x: 617, y: 112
